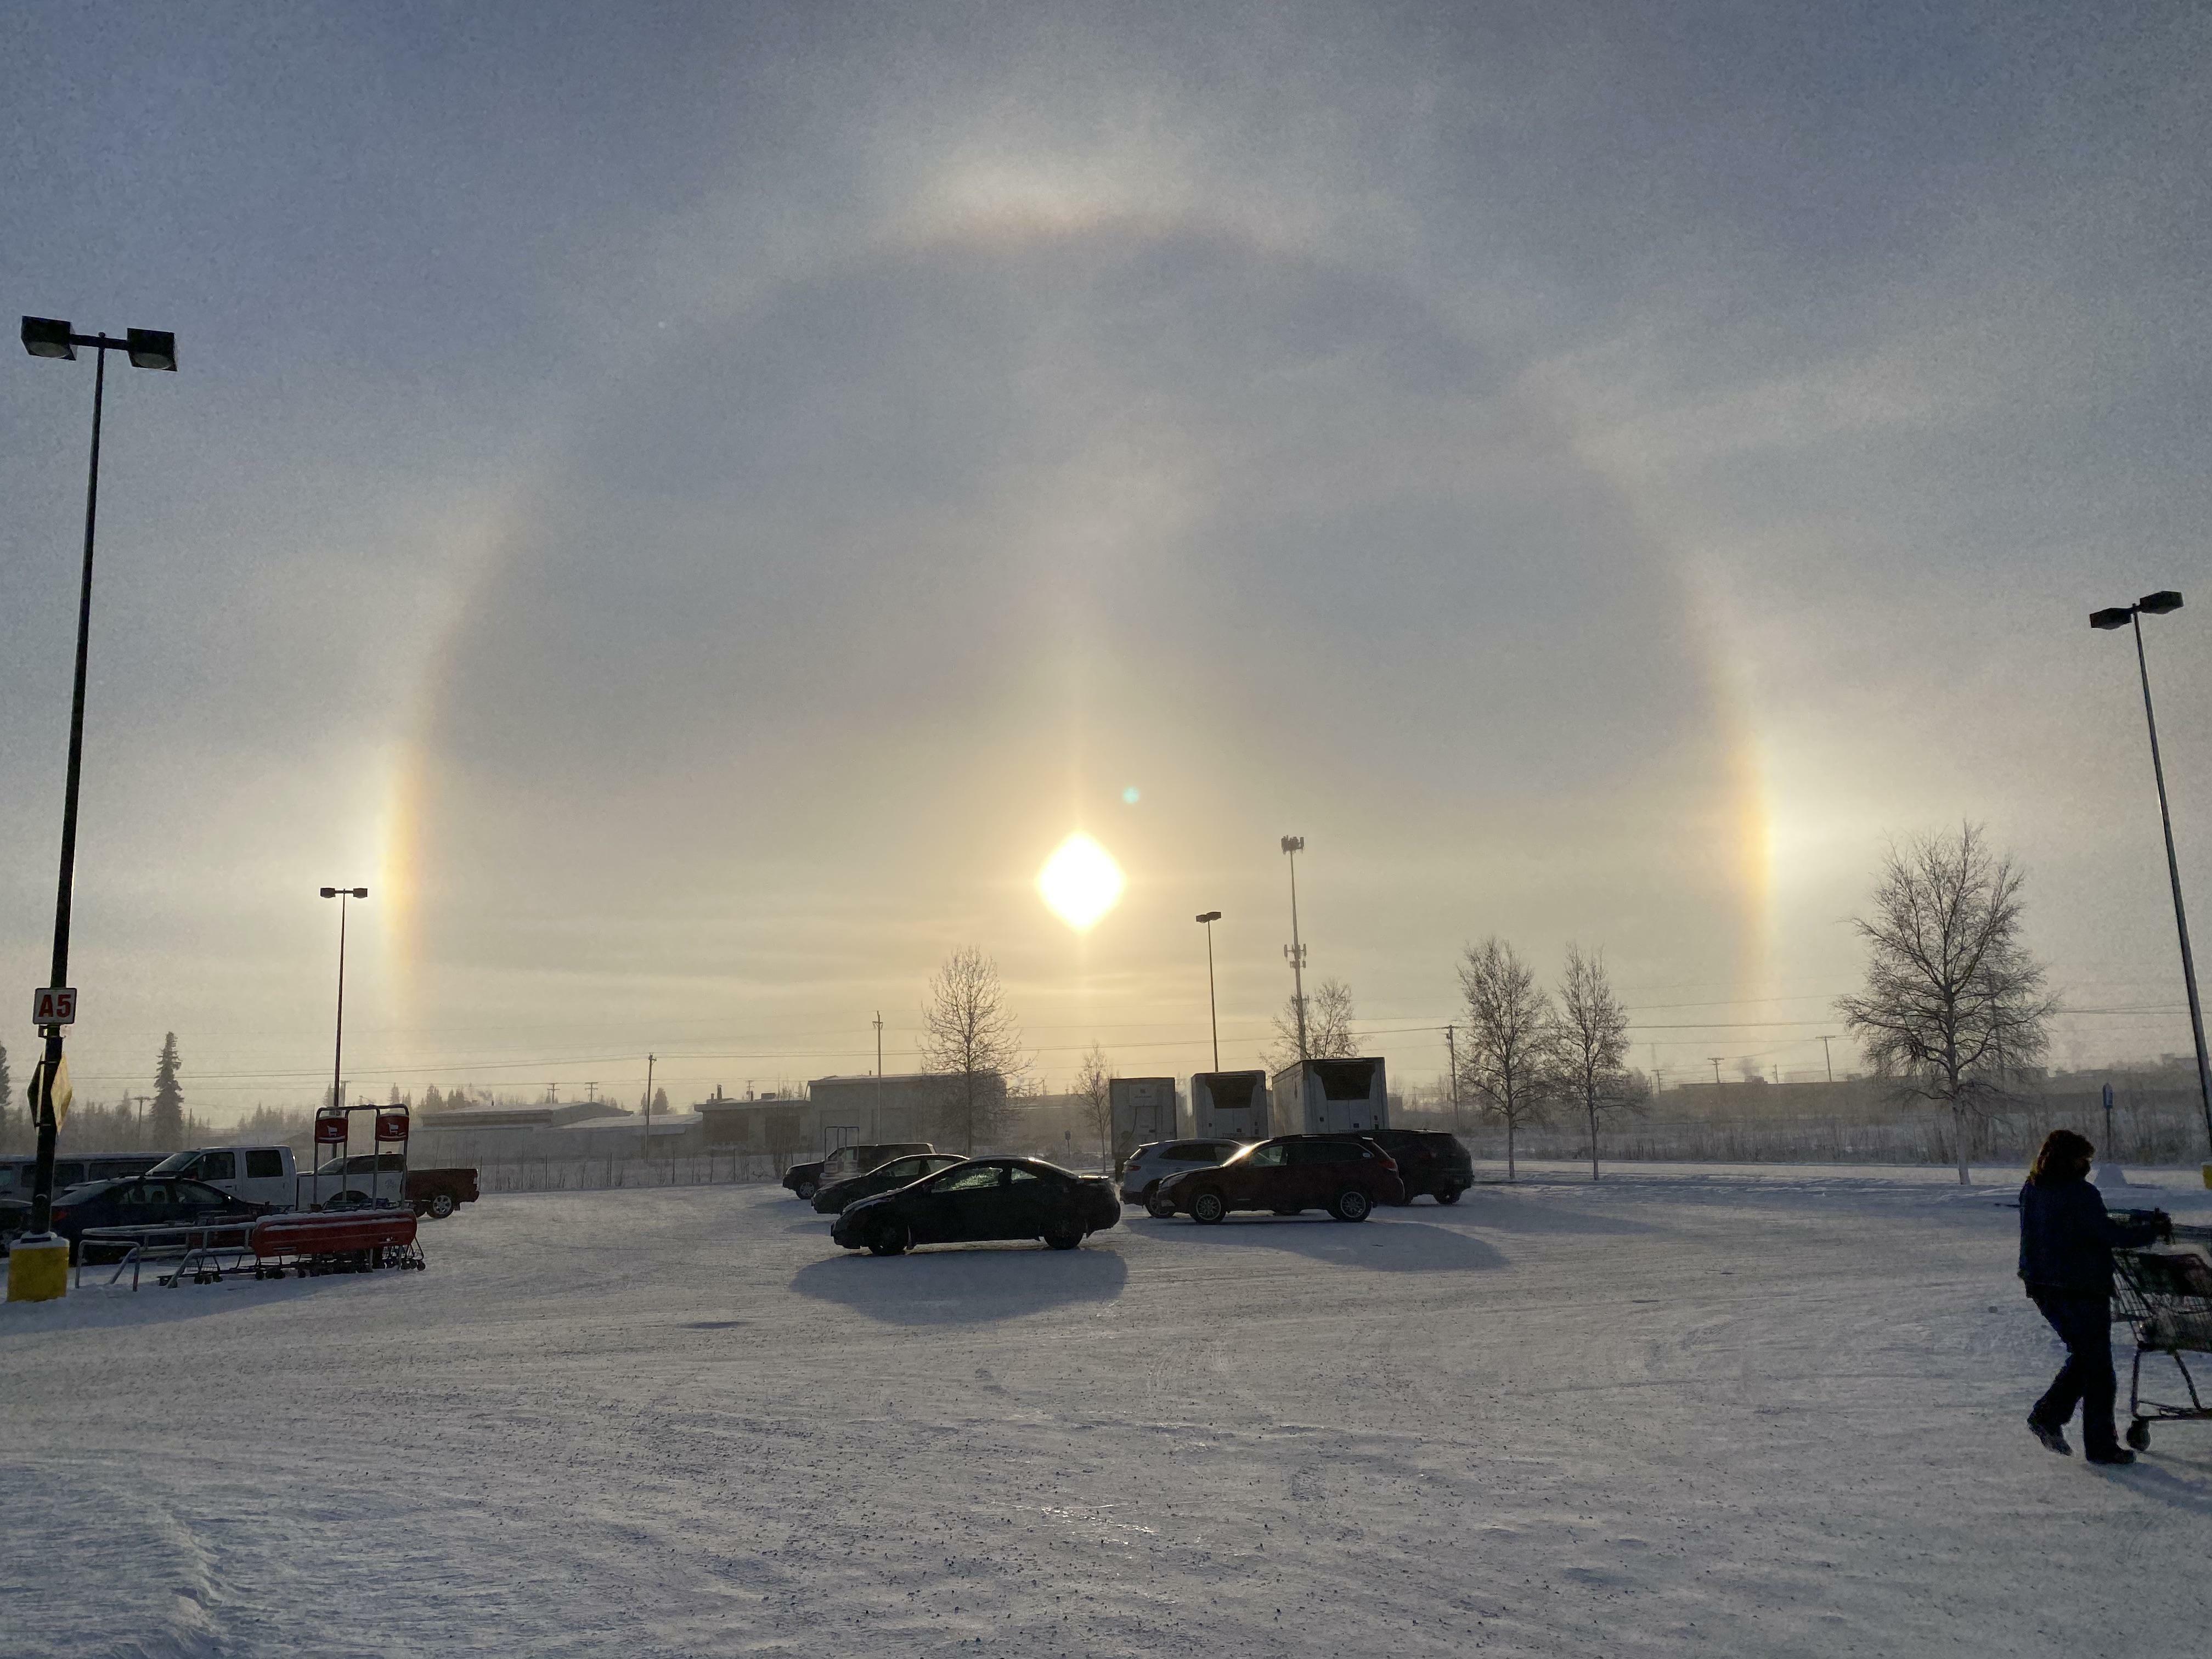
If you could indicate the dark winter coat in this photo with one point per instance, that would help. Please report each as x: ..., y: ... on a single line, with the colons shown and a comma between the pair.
x: 2066, y: 1239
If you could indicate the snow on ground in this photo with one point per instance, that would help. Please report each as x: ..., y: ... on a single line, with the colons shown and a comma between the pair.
x: 1751, y: 1411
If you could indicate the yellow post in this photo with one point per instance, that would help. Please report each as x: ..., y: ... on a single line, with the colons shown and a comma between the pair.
x: 2207, y: 1174
x: 37, y: 1269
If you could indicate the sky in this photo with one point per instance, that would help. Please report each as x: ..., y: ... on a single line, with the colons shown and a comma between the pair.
x: 692, y: 504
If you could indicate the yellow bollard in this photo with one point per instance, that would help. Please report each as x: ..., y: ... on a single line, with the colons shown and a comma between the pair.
x: 37, y: 1269
x: 2207, y: 1174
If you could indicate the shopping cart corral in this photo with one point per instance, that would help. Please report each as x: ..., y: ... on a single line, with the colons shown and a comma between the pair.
x: 2164, y: 1291
x: 307, y: 1244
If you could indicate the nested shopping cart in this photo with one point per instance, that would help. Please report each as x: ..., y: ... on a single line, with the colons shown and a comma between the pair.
x: 2165, y: 1294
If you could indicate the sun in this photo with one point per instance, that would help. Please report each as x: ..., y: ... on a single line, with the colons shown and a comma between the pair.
x: 1080, y: 882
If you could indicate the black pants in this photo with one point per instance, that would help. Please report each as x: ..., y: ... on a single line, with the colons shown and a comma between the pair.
x: 2084, y: 1324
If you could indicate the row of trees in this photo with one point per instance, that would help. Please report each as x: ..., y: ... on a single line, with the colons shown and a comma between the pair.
x: 157, y: 1120
x: 1532, y: 1051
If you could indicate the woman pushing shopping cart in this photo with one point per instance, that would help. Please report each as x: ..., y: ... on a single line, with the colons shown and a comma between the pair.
x: 2066, y: 1260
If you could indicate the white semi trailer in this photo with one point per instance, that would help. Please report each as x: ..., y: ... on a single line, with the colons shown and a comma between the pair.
x: 1332, y: 1097
x: 1229, y: 1105
x: 1145, y: 1110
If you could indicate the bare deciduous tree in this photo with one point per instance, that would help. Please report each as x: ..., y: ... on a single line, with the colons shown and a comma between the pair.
x: 1954, y: 1004
x: 1329, y: 1017
x: 970, y: 1041
x: 1512, y: 1039
x: 1094, y: 1090
x: 1592, y: 1040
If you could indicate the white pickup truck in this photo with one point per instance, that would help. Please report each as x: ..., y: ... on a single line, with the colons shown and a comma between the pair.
x: 268, y: 1175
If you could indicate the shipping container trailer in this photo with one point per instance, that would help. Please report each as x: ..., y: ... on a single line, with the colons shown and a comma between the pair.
x: 1145, y: 1110
x: 1232, y: 1105
x: 1331, y: 1097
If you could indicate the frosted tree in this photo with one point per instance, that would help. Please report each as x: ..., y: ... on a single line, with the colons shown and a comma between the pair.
x: 1512, y: 1045
x: 1590, y: 1034
x: 165, y: 1124
x: 970, y: 1041
x: 1094, y: 1095
x: 1329, y: 1017
x: 1955, y: 1006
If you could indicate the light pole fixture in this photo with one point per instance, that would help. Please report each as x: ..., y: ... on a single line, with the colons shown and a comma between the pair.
x: 1212, y: 1008
x: 1292, y: 846
x: 338, y: 1049
x: 52, y: 337
x: 2131, y: 616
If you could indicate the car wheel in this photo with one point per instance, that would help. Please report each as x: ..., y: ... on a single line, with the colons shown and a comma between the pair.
x: 892, y: 1239
x: 804, y: 1192
x: 1448, y: 1194
x: 1063, y: 1240
x: 1351, y: 1205
x: 1158, y: 1206
x: 440, y: 1206
x: 1207, y: 1207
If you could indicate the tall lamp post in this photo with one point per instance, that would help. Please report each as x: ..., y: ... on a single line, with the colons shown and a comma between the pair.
x: 49, y: 336
x: 2131, y: 616
x: 337, y: 1049
x: 1292, y: 846
x: 1212, y: 1008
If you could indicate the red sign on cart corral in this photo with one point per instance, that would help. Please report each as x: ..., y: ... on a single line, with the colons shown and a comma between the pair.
x: 330, y: 1128
x: 392, y: 1126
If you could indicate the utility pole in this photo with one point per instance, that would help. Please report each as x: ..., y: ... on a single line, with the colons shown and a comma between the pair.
x: 138, y: 1122
x: 1715, y: 1059
x: 1292, y: 846
x: 649, y: 1059
x: 1828, y: 1055
x: 1451, y: 1048
x: 591, y: 1093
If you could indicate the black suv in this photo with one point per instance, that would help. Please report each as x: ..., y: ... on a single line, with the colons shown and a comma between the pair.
x: 1429, y: 1161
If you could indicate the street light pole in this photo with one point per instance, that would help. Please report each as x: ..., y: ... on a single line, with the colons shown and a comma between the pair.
x: 1212, y: 1008
x: 1292, y: 846
x: 2158, y: 605
x: 337, y: 1046
x: 49, y: 336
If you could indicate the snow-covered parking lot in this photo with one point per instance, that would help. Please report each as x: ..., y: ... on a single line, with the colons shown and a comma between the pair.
x: 1765, y: 1412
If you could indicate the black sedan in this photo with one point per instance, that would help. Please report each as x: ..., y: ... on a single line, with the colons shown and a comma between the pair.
x: 146, y: 1201
x: 885, y: 1178
x: 983, y: 1198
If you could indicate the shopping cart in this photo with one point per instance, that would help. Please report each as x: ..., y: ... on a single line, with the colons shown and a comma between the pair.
x: 2165, y: 1294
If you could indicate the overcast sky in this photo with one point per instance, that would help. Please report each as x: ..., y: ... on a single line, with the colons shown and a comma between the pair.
x: 691, y: 504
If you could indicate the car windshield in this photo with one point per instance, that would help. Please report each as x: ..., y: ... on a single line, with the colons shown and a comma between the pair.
x: 172, y: 1163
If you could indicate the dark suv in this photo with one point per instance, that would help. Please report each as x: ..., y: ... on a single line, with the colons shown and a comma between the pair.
x: 1345, y: 1175
x: 1428, y: 1161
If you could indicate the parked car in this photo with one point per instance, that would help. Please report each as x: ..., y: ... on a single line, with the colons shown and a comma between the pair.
x: 146, y: 1201
x: 805, y: 1179
x: 979, y: 1199
x: 15, y: 1216
x: 17, y: 1174
x: 1347, y: 1175
x: 884, y: 1178
x: 1428, y: 1160
x: 345, y: 1183
x: 1152, y: 1163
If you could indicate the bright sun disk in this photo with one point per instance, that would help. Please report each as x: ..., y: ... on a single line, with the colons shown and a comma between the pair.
x: 1080, y: 882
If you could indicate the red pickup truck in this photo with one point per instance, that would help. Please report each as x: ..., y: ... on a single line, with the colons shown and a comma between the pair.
x: 433, y: 1193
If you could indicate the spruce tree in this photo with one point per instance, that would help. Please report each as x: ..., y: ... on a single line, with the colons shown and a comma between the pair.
x: 165, y: 1124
